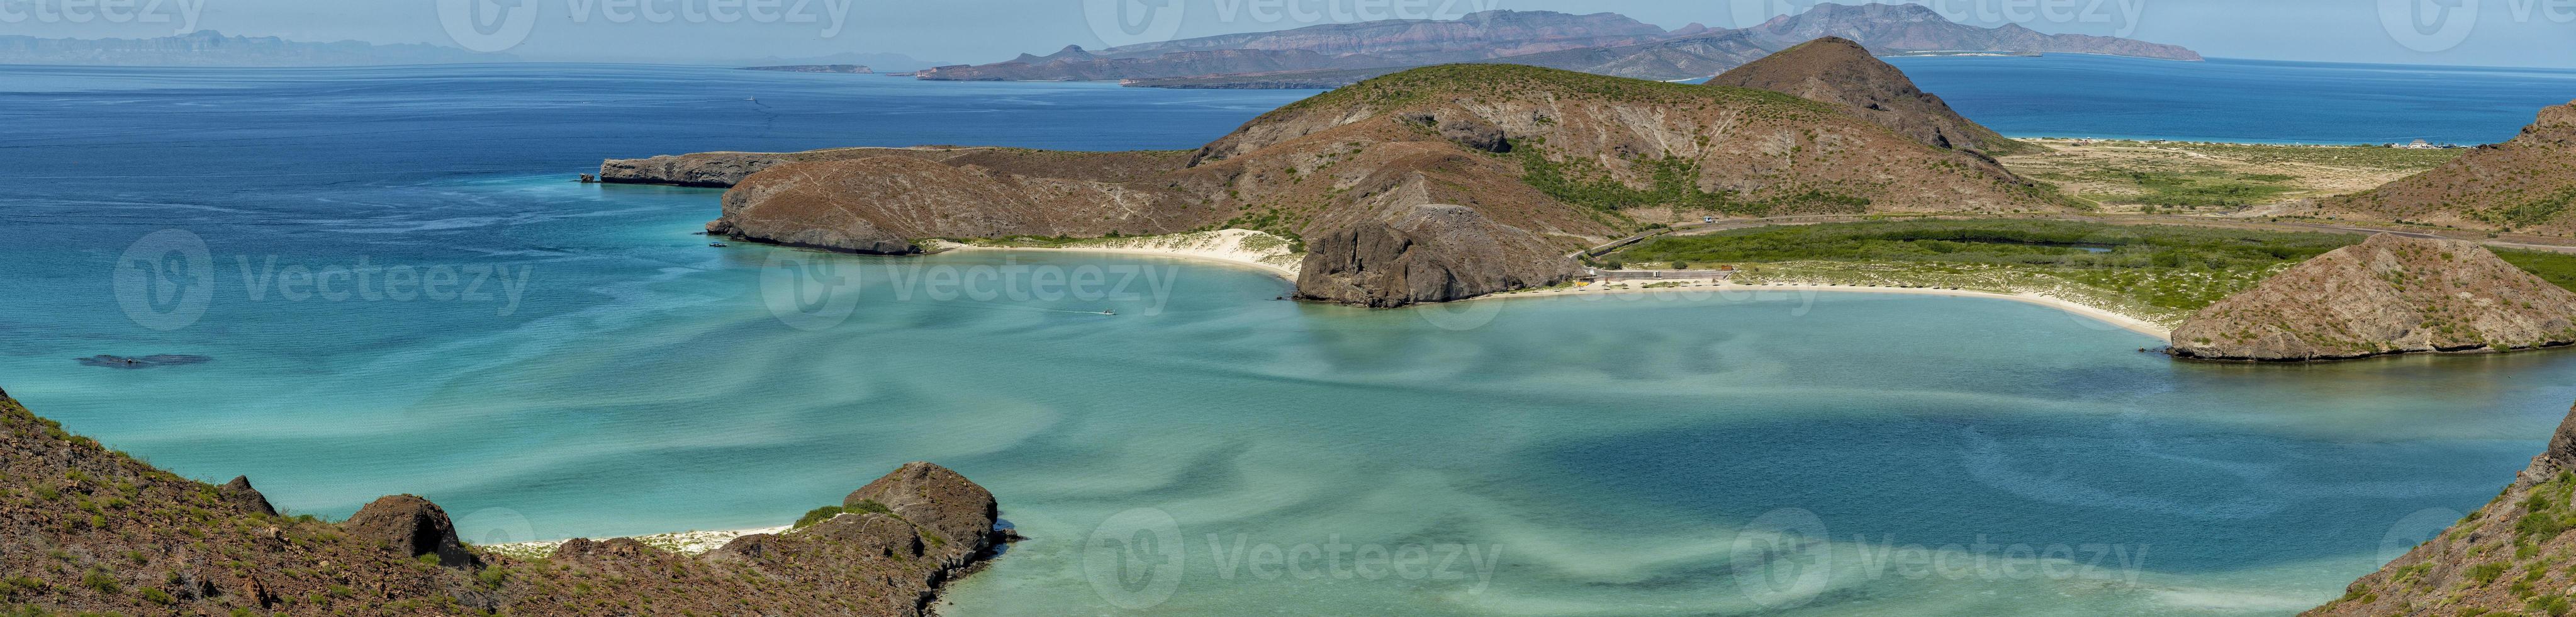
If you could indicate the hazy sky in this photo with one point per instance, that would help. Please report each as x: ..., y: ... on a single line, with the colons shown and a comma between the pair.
x: 2474, y: 32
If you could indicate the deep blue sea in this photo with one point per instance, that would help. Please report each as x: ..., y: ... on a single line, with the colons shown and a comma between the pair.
x: 399, y: 290
x: 2069, y: 95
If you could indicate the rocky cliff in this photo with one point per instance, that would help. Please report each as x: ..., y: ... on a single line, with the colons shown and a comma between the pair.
x: 1431, y: 253
x: 2507, y: 558
x: 1840, y: 72
x: 1525, y: 165
x: 88, y: 530
x: 2527, y: 184
x: 2388, y: 295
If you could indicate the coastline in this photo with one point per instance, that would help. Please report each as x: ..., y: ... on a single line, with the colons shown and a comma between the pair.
x: 1268, y: 253
x: 2122, y: 321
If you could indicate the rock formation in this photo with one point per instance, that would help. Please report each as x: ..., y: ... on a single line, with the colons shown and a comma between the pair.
x: 1433, y: 253
x: 241, y: 494
x: 1840, y: 72
x: 1544, y: 162
x: 412, y: 527
x: 2527, y: 184
x: 2389, y: 295
x: 2497, y: 561
x: 88, y: 530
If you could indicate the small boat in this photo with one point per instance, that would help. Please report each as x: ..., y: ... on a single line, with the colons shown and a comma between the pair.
x: 717, y: 244
x: 1109, y: 312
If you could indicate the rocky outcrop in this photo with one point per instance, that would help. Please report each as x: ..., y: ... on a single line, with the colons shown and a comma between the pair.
x: 2497, y: 561
x: 239, y: 493
x: 1895, y: 28
x: 2526, y: 184
x: 942, y: 502
x: 412, y: 527
x: 1433, y: 253
x: 879, y: 205
x: 1840, y: 72
x: 92, y: 531
x: 2388, y: 295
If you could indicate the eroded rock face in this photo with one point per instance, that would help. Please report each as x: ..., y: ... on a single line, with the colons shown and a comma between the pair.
x: 239, y: 493
x: 1431, y: 253
x: 411, y: 526
x: 707, y: 169
x: 2388, y: 295
x: 879, y: 205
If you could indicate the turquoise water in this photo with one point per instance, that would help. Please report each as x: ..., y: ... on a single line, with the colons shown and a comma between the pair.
x: 1563, y: 456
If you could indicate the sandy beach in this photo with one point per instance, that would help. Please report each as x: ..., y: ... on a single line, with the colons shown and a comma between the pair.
x: 1239, y: 247
x: 2126, y: 322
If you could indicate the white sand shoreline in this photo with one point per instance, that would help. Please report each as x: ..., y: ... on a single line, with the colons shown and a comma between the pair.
x: 1238, y: 247
x: 2126, y: 322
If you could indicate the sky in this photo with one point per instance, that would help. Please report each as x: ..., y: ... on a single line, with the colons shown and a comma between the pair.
x: 2535, y: 33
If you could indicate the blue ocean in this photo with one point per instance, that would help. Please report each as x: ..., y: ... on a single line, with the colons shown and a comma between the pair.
x: 395, y: 287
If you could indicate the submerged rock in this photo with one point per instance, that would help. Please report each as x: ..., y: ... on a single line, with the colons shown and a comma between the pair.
x: 2388, y: 295
x: 151, y: 361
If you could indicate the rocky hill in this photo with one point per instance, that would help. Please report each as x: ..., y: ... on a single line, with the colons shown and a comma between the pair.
x: 1841, y: 72
x: 2526, y: 184
x: 2388, y: 295
x: 1897, y: 28
x: 1374, y: 44
x: 88, y: 530
x: 2497, y: 561
x: 1533, y: 164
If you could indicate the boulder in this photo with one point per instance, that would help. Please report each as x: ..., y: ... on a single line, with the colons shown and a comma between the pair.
x: 411, y: 526
x: 238, y: 492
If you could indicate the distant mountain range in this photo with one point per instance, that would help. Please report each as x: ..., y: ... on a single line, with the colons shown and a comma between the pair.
x: 211, y: 48
x: 1334, y: 55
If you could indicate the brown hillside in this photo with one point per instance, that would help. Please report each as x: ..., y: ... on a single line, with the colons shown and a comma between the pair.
x: 1840, y: 72
x: 2507, y: 558
x: 1552, y: 158
x: 87, y: 530
x: 2388, y: 295
x: 2526, y: 184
